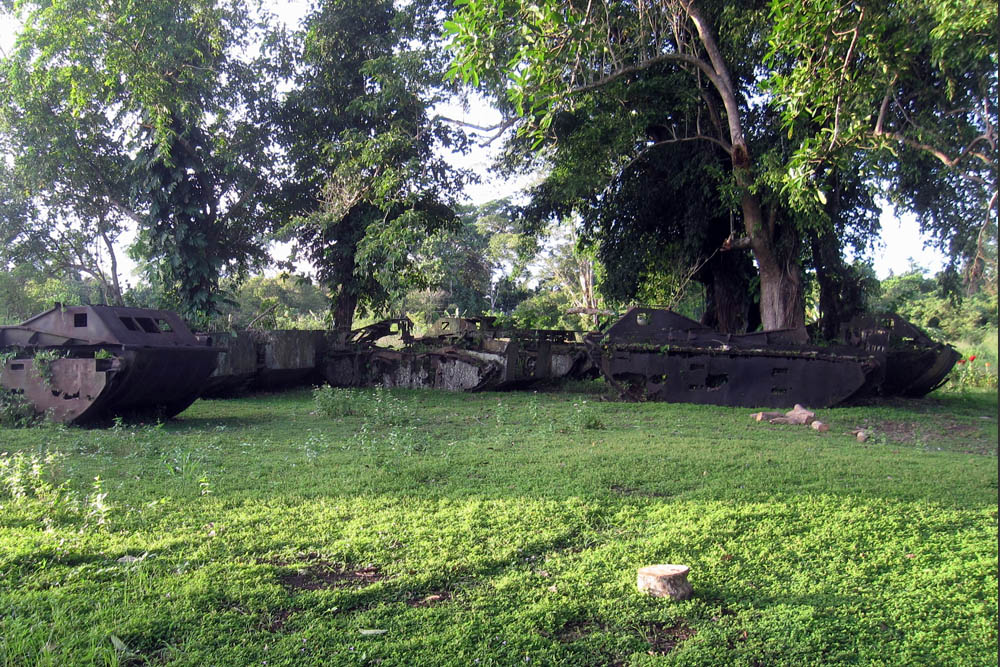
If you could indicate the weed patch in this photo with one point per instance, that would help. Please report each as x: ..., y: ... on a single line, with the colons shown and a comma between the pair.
x: 663, y: 639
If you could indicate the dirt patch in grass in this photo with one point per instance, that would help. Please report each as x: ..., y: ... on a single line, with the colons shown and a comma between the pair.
x: 663, y: 639
x: 948, y: 434
x: 437, y: 597
x: 276, y: 620
x: 576, y: 631
x: 322, y: 575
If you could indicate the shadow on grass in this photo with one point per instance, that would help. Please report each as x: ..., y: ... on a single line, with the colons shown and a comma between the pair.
x: 184, y: 424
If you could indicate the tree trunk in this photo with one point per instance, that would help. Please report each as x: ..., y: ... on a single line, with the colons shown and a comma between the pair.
x: 831, y: 275
x: 344, y: 306
x: 116, y: 288
x: 782, y: 305
x: 727, y: 289
x: 781, y: 298
x: 781, y: 302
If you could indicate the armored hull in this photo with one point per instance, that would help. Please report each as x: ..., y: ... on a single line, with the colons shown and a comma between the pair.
x: 81, y: 364
x: 461, y: 354
x: 652, y: 354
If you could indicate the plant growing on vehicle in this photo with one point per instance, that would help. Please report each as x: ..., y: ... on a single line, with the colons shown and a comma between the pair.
x: 43, y: 363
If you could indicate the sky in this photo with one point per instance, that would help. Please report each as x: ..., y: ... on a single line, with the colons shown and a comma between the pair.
x: 901, y: 244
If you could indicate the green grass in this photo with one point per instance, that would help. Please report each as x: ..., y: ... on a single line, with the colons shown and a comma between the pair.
x: 502, y: 529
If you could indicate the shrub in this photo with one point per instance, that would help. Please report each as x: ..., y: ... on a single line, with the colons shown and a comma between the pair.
x: 336, y: 402
x: 972, y: 373
x: 15, y: 410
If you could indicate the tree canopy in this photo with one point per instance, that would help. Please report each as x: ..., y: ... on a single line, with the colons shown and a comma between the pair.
x: 365, y: 185
x: 914, y: 86
x: 643, y: 78
x: 120, y: 113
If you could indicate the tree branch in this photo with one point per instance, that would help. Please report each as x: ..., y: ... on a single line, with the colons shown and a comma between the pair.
x: 646, y: 64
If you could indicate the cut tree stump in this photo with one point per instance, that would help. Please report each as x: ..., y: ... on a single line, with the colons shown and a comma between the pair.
x: 766, y: 416
x: 665, y: 580
x: 820, y: 426
x: 799, y: 415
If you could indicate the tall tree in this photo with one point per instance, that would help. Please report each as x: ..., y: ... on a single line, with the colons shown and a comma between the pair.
x: 549, y: 55
x: 364, y: 184
x: 122, y: 113
x: 660, y: 215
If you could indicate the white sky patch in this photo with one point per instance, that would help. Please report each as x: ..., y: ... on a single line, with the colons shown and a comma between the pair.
x: 902, y: 245
x: 491, y: 186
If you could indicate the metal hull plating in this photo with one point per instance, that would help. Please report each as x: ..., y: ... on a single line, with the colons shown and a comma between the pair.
x: 652, y: 354
x: 83, y: 364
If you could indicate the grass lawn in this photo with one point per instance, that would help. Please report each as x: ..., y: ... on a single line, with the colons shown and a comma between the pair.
x: 420, y: 527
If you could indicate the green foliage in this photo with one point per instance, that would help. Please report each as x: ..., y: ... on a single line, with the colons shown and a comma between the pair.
x: 280, y: 302
x: 26, y: 290
x: 924, y: 301
x: 973, y: 372
x: 361, y: 142
x: 119, y: 114
x: 969, y: 323
x: 43, y: 360
x: 545, y: 309
x: 15, y: 410
x: 914, y: 86
x: 31, y: 478
x: 387, y: 424
x: 337, y: 402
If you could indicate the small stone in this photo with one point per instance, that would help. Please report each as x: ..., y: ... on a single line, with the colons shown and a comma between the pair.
x: 665, y: 580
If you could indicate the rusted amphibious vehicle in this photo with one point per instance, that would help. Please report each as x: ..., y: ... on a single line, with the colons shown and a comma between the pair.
x: 462, y: 354
x: 90, y: 363
x: 652, y: 354
x: 81, y: 364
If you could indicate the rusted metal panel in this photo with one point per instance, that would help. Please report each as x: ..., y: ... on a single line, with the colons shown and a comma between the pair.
x: 236, y: 367
x: 107, y: 362
x: 915, y: 364
x: 464, y: 354
x: 652, y: 354
x: 286, y: 357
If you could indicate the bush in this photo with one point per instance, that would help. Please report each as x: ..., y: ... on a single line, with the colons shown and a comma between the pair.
x: 973, y: 373
x: 15, y: 410
x: 336, y: 402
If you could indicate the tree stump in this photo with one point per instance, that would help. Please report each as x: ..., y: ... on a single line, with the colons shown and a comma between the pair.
x: 665, y: 581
